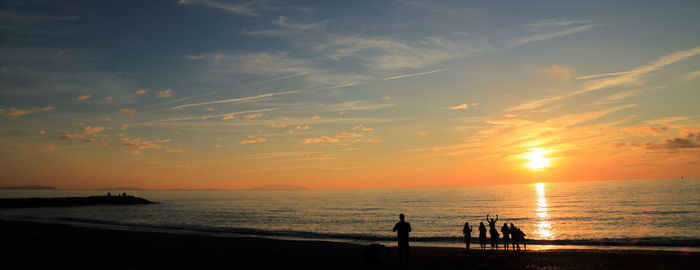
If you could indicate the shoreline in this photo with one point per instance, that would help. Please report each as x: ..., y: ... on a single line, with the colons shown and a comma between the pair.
x: 534, y: 245
x: 31, y: 244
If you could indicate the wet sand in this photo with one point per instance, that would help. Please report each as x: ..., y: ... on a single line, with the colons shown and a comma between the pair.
x: 26, y: 245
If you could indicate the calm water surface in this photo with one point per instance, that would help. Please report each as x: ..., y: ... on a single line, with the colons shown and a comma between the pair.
x: 644, y: 212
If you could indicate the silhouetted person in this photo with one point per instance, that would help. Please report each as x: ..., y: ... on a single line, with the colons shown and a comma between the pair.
x: 467, y: 231
x: 402, y: 228
x: 109, y: 194
x: 482, y: 235
x: 493, y: 231
x: 506, y: 235
x: 514, y: 233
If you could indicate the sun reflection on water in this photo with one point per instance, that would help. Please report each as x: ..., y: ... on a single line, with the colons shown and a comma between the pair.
x: 544, y: 225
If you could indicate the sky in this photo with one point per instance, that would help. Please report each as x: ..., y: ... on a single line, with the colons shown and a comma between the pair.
x: 214, y: 94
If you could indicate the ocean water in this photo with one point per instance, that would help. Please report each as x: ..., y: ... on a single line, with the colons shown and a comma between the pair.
x: 657, y: 212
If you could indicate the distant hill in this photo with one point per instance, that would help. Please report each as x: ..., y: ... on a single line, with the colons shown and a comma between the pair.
x: 29, y: 188
x: 279, y: 187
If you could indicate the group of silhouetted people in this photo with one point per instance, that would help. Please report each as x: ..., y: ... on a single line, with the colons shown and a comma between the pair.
x: 512, y: 235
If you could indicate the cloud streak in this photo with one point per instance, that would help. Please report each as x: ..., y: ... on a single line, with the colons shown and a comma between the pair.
x: 225, y: 116
x: 414, y: 74
x: 541, y: 37
x: 233, y: 100
x: 632, y: 77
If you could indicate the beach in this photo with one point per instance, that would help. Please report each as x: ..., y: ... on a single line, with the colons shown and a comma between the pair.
x: 27, y: 245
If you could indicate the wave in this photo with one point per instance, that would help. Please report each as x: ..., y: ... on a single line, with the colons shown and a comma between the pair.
x: 350, y: 237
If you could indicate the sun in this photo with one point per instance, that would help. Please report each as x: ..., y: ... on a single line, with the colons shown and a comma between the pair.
x: 537, y: 158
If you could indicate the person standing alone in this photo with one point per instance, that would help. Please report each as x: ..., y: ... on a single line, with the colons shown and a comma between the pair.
x: 402, y: 228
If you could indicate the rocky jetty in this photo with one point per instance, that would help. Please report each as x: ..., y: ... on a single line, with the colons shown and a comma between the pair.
x: 71, y: 201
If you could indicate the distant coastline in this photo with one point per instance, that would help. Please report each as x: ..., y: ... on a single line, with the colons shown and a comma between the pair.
x: 29, y: 188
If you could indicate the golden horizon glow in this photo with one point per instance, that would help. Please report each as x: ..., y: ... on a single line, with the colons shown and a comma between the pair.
x: 537, y: 158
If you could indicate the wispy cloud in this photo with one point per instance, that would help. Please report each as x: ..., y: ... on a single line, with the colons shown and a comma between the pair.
x: 546, y: 36
x: 83, y: 97
x: 322, y: 139
x: 165, y: 93
x: 18, y: 112
x: 231, y: 100
x: 462, y: 106
x: 253, y: 140
x: 632, y: 77
x: 690, y: 75
x: 127, y: 111
x: 245, y: 8
x: 603, y: 75
x: 359, y: 105
x: 225, y: 116
x: 414, y: 74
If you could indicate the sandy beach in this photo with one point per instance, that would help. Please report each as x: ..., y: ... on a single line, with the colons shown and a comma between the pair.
x: 33, y: 245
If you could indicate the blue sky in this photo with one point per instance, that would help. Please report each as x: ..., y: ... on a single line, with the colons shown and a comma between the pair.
x: 323, y: 93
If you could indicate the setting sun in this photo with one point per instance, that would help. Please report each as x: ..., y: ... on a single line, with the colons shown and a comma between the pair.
x: 537, y: 159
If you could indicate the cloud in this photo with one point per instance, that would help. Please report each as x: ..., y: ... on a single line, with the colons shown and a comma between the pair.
x: 559, y: 72
x: 277, y: 63
x: 372, y: 141
x: 422, y: 133
x: 348, y: 135
x: 230, y: 100
x: 315, y: 117
x: 109, y: 98
x: 252, y: 116
x: 41, y: 132
x: 305, y: 127
x: 253, y: 140
x: 228, y: 117
x: 245, y: 8
x: 632, y: 77
x: 139, y: 144
x: 462, y: 106
x: 142, y: 91
x: 363, y: 128
x: 165, y: 93
x: 88, y: 132
x: 322, y: 139
x: 358, y: 105
x: 386, y: 98
x: 690, y: 75
x: 381, y: 54
x: 652, y: 130
x: 223, y: 115
x: 546, y: 36
x: 83, y: 97
x: 126, y: 111
x: 92, y: 130
x: 673, y: 144
x: 19, y: 112
x: 603, y: 75
x: 414, y: 74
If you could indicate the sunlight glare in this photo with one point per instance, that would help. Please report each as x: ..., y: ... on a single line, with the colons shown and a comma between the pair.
x: 537, y: 158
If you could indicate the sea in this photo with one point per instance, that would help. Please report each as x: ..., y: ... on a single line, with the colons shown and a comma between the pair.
x: 631, y: 214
